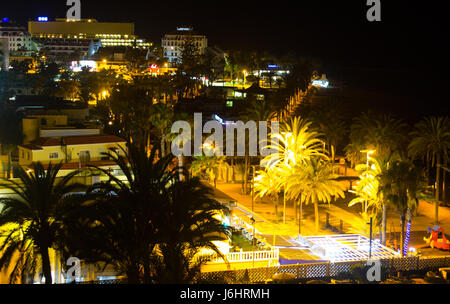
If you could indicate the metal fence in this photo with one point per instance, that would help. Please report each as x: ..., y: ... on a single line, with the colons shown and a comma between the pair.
x: 324, y: 269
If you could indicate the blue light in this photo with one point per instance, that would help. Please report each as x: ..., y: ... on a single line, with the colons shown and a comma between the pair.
x: 272, y: 66
x: 6, y: 20
x: 42, y: 19
x: 408, y: 233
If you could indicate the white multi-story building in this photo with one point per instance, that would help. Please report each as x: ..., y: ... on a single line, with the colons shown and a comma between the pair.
x: 4, y: 54
x: 173, y: 43
x: 19, y: 39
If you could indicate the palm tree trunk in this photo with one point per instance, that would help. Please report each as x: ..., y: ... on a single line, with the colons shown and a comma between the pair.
x: 163, y: 146
x: 316, y: 215
x: 295, y: 210
x: 46, y: 269
x: 384, y: 224
x: 276, y: 207
x: 245, y: 173
x: 444, y: 173
x: 438, y: 181
x: 402, y: 233
x: 300, y: 216
x: 428, y: 167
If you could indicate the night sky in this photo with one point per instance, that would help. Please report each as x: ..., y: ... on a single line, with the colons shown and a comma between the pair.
x: 404, y: 53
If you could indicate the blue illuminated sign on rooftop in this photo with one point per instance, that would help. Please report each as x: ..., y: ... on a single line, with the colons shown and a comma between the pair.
x: 272, y: 66
x: 6, y: 20
x: 42, y: 19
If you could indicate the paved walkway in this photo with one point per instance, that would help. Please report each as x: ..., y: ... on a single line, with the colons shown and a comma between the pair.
x: 340, y: 216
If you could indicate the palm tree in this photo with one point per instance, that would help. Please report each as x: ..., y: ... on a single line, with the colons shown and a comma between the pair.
x: 116, y: 222
x: 384, y: 133
x: 268, y: 183
x: 257, y: 111
x: 33, y: 217
x: 207, y: 165
x: 367, y: 190
x: 162, y: 118
x: 297, y: 143
x: 148, y: 226
x: 431, y: 141
x: 313, y: 181
x: 402, y: 185
x: 190, y: 222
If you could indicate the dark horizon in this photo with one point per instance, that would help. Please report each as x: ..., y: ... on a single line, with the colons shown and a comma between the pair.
x: 404, y: 53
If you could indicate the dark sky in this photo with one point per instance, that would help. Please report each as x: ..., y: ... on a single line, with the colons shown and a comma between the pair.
x: 406, y: 50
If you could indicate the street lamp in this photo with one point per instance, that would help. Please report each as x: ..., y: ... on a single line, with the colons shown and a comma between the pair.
x: 252, y: 219
x: 368, y: 152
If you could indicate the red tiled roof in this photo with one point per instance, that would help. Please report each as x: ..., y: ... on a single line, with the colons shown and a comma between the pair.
x: 72, y: 140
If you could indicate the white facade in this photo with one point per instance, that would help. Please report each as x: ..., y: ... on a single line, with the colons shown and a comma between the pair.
x: 4, y: 54
x: 18, y: 38
x: 173, y: 43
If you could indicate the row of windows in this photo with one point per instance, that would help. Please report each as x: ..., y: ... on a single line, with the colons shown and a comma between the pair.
x: 181, y: 43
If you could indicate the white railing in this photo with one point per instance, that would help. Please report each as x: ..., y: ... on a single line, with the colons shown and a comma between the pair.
x: 248, y: 256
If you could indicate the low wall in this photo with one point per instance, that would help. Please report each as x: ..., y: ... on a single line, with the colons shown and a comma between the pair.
x: 427, y: 209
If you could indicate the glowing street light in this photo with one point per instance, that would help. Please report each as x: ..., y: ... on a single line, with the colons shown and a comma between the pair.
x: 368, y: 152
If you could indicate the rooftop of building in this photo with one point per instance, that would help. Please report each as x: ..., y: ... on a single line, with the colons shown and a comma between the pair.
x: 41, y: 142
x: 184, y: 31
x: 45, y: 102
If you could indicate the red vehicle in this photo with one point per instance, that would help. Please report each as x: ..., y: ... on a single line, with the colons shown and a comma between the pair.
x: 437, y: 238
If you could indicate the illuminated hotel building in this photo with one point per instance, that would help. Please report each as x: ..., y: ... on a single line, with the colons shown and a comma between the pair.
x: 108, y: 33
x: 19, y: 40
x: 173, y: 43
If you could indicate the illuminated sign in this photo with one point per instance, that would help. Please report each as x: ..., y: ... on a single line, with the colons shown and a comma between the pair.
x: 272, y: 66
x: 184, y: 28
x: 6, y: 20
x: 154, y: 69
x: 320, y: 83
x: 42, y: 19
x: 77, y: 66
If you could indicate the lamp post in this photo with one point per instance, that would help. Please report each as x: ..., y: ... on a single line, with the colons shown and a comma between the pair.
x: 370, y: 238
x: 252, y: 219
x: 368, y: 152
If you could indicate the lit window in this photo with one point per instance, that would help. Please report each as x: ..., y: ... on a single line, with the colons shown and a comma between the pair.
x: 53, y: 155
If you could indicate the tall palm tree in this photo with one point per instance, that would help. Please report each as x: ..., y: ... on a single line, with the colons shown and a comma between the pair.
x: 384, y: 133
x: 367, y: 190
x: 257, y: 111
x: 402, y: 185
x: 297, y: 142
x: 148, y: 226
x: 267, y: 184
x: 313, y: 181
x: 33, y: 217
x: 431, y: 141
x: 191, y: 221
x: 117, y: 221
x: 162, y: 118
